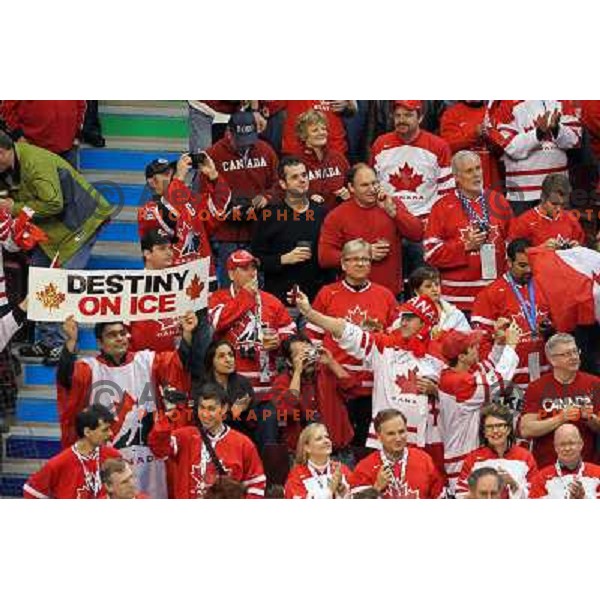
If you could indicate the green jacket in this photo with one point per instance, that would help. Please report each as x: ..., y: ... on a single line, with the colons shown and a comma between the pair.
x: 67, y: 208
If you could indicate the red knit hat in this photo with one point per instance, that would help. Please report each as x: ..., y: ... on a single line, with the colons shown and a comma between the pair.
x: 241, y: 258
x: 424, y: 308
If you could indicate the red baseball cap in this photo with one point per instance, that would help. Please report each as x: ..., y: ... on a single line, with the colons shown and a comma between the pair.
x: 241, y: 258
x: 410, y: 104
x: 455, y: 342
x: 424, y: 308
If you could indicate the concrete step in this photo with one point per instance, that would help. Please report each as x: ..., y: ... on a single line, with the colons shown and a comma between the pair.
x: 22, y: 466
x: 11, y: 486
x: 30, y: 447
x: 170, y: 108
x: 37, y: 374
x: 39, y: 411
x: 107, y: 159
x: 150, y: 144
x: 120, y: 231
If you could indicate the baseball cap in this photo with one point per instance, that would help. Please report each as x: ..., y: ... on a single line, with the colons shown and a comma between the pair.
x: 423, y: 307
x: 244, y: 128
x: 155, y: 237
x: 241, y: 258
x: 410, y: 104
x: 158, y: 165
x: 455, y: 342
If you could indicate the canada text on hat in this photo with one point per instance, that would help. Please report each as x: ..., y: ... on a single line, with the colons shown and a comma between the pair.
x: 423, y: 307
x: 410, y: 104
x: 244, y: 127
x: 241, y: 258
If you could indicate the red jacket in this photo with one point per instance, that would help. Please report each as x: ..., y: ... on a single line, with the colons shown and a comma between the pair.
x: 247, y: 176
x: 445, y: 246
x: 350, y: 221
x: 160, y: 335
x: 458, y: 126
x: 304, y: 482
x: 538, y: 228
x: 50, y: 124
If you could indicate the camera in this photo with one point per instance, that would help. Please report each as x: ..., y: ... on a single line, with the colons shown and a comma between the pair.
x: 172, y: 395
x: 198, y: 158
x: 564, y: 245
x: 545, y: 329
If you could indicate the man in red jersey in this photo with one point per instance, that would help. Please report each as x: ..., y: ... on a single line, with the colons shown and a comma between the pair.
x: 212, y: 449
x: 562, y: 396
x: 569, y: 478
x: 466, y: 233
x: 549, y: 224
x: 368, y: 305
x: 375, y: 217
x: 75, y: 472
x: 397, y: 471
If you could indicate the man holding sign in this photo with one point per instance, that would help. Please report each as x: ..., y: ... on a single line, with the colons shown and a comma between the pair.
x: 126, y: 383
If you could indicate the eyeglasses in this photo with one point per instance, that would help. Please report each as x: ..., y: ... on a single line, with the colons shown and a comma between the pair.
x: 495, y: 426
x: 358, y: 259
x: 575, y: 352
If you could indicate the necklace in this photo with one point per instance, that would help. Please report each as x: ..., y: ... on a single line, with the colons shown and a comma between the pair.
x: 91, y: 479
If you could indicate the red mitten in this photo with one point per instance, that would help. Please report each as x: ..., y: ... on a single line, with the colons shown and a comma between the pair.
x: 26, y: 235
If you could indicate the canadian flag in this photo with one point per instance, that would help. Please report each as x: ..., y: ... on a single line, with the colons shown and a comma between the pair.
x: 570, y: 280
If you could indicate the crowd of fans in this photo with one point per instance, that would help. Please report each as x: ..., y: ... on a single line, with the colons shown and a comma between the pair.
x: 373, y: 329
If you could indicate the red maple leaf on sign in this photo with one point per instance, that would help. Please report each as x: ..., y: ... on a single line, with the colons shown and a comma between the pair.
x: 407, y: 384
x: 405, y: 179
x: 195, y: 288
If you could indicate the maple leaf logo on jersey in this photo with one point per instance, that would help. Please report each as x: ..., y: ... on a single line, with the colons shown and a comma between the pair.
x: 405, y: 179
x: 195, y: 288
x: 357, y: 316
x: 407, y: 384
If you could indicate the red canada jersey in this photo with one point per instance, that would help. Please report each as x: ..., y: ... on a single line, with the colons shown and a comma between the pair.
x: 553, y: 481
x: 70, y: 475
x: 537, y: 228
x: 517, y: 462
x: 499, y: 300
x: 547, y: 397
x: 350, y: 221
x: 309, y: 482
x: 160, y: 335
x: 188, y: 218
x: 445, y: 239
x: 373, y: 307
x: 194, y: 472
x: 417, y: 173
x: 415, y: 476
x: 459, y: 126
x: 238, y: 318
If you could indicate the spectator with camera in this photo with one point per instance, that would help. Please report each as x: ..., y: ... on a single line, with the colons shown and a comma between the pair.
x: 74, y: 473
x: 187, y: 217
x: 565, y: 395
x: 466, y: 234
x: 298, y: 391
x: 517, y: 297
x: 287, y: 235
x: 211, y: 449
x: 374, y: 216
x: 249, y: 165
x: 315, y: 476
x: 130, y: 384
x: 327, y: 168
x: 67, y: 209
x: 549, y: 224
x: 255, y: 322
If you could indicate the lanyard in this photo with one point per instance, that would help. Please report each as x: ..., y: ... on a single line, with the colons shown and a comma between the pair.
x: 528, y: 309
x: 575, y: 477
x: 484, y: 220
x: 398, y: 485
x: 319, y: 477
x: 91, y: 479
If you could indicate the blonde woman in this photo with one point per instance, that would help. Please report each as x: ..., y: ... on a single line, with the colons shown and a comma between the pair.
x: 315, y: 475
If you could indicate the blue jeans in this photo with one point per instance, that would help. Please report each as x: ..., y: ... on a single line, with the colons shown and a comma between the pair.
x: 50, y: 334
x: 267, y: 428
